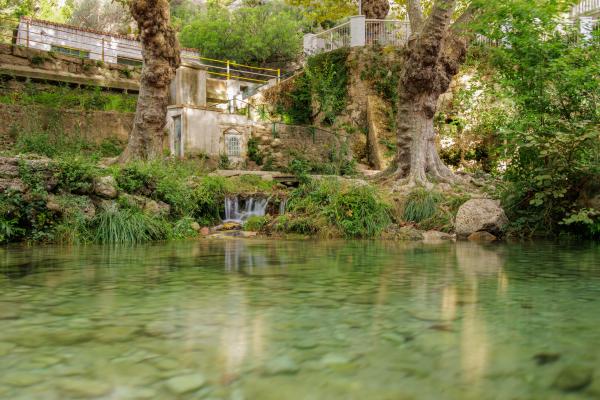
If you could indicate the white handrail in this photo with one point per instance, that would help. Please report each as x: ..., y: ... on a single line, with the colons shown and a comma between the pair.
x: 585, y: 7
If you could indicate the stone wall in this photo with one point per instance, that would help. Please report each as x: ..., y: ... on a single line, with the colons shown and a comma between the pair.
x: 94, y: 126
x: 287, y: 142
x: 39, y: 64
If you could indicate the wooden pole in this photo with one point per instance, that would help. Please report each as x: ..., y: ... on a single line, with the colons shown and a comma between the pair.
x: 27, y: 27
x: 102, y: 49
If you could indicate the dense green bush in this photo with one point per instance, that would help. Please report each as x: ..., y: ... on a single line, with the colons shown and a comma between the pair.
x: 355, y: 210
x: 262, y: 34
x: 76, y: 174
x: 256, y: 223
x: 552, y: 140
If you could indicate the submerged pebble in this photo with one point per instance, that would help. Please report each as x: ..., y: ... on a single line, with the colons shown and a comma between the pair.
x: 282, y: 365
x: 84, y: 387
x: 185, y: 383
x: 573, y: 378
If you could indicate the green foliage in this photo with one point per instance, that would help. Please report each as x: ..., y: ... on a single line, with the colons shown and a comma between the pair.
x: 324, y: 85
x: 67, y: 97
x: 382, y: 67
x: 114, y: 225
x: 76, y: 174
x: 325, y: 13
x: 111, y: 147
x: 182, y: 228
x: 48, y: 139
x: 224, y: 162
x: 210, y: 195
x: 420, y: 205
x: 254, y: 152
x: 263, y: 34
x: 584, y: 220
x: 256, y: 223
x: 73, y: 226
x: 552, y: 138
x: 136, y: 178
x: 356, y: 211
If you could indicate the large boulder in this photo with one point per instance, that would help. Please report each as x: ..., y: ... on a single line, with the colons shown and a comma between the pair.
x: 480, y: 215
x: 106, y: 187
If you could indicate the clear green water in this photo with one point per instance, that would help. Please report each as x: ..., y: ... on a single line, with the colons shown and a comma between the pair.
x: 300, y: 320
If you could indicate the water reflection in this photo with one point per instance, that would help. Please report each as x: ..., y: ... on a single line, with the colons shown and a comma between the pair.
x: 262, y: 319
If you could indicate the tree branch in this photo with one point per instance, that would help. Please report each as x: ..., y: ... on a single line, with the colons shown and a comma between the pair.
x: 459, y: 26
x: 415, y: 15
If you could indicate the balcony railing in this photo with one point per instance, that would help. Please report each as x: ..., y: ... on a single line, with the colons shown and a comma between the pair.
x: 586, y: 7
x: 358, y: 32
x: 387, y: 32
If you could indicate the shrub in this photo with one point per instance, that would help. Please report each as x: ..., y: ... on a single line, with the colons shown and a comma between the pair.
x: 262, y: 34
x: 357, y: 211
x: 254, y: 152
x: 114, y: 225
x: 420, y: 205
x: 76, y: 175
x: 136, y: 178
x: 210, y: 197
x: 111, y: 147
x: 183, y: 228
x: 256, y: 223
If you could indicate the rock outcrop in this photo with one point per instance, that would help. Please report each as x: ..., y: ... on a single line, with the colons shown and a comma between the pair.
x: 478, y: 215
x: 106, y: 187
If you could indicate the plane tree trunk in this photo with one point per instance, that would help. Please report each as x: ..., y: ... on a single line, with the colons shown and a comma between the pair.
x: 160, y: 52
x: 433, y: 56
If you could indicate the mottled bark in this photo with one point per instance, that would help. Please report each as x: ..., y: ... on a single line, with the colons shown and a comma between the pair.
x: 433, y: 57
x: 160, y: 51
x: 375, y: 9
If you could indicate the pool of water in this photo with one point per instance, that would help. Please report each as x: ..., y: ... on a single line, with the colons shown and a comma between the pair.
x: 268, y: 320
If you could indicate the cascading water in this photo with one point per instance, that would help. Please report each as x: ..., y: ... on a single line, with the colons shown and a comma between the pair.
x: 282, y: 206
x: 237, y: 210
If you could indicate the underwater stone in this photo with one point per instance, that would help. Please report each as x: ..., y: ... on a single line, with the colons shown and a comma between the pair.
x: 573, y: 378
x: 282, y: 365
x: 84, y: 387
x: 115, y: 334
x: 546, y: 358
x: 20, y: 378
x: 333, y: 359
x: 159, y: 328
x: 186, y: 383
x: 6, y: 348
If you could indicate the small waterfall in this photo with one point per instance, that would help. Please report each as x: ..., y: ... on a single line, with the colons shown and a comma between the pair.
x: 237, y: 210
x: 282, y: 206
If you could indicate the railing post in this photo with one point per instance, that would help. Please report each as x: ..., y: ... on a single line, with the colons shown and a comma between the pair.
x: 102, y: 49
x: 27, y: 36
x: 228, y: 71
x: 357, y: 31
x: 310, y: 40
x: 278, y: 75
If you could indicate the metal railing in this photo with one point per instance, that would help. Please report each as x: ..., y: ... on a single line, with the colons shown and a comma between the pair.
x: 333, y: 39
x: 114, y: 49
x: 386, y: 32
x: 585, y: 7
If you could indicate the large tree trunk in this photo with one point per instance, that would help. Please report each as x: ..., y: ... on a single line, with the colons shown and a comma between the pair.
x: 375, y: 9
x: 160, y: 51
x: 434, y: 54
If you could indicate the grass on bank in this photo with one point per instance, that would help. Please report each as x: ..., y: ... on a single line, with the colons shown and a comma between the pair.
x: 77, y: 216
x: 66, y: 97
